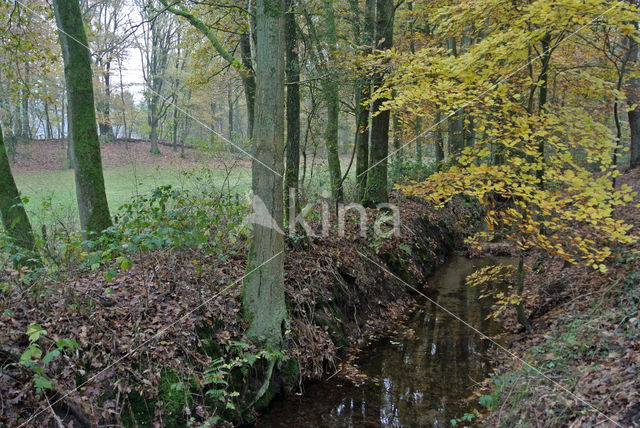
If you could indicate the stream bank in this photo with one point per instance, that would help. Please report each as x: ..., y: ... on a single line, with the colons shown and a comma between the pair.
x: 170, y: 349
x: 421, y: 375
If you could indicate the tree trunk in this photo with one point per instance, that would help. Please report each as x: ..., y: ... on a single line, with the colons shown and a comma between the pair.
x: 397, y: 144
x: 248, y: 82
x: 293, y: 111
x: 418, y: 132
x: 633, y: 97
x: 230, y: 113
x: 48, y: 128
x: 263, y: 293
x: 377, y: 191
x: 542, y: 100
x: 153, y: 123
x: 438, y: 141
x: 14, y: 217
x: 174, y: 138
x: 332, y: 100
x: 363, y: 87
x: 83, y: 133
x: 106, y: 130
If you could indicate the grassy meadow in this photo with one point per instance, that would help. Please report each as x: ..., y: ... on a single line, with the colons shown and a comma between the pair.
x: 52, y: 196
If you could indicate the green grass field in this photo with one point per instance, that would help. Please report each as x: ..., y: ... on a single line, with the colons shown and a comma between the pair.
x: 121, y: 183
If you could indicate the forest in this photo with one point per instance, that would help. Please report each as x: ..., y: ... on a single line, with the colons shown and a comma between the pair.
x: 319, y: 213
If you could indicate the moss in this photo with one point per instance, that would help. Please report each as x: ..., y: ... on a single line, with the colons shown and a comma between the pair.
x: 290, y: 373
x: 398, y: 266
x: 173, y: 400
x: 139, y: 414
x: 206, y: 333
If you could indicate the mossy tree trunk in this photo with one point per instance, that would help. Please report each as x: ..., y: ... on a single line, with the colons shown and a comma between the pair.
x: 363, y: 87
x: 332, y: 100
x: 377, y: 191
x: 83, y: 130
x: 14, y: 217
x: 263, y: 288
x: 293, y: 109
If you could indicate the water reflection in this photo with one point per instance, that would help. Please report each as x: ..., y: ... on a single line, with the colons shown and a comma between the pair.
x: 419, y: 382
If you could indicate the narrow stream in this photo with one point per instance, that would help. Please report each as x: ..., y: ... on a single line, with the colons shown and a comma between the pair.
x: 417, y: 382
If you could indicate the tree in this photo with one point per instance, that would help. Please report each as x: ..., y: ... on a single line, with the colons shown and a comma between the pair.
x: 14, y: 217
x: 363, y: 94
x: 243, y: 66
x: 83, y: 133
x: 377, y: 191
x: 323, y: 56
x: 551, y: 189
x: 158, y: 41
x: 263, y: 292
x: 293, y: 108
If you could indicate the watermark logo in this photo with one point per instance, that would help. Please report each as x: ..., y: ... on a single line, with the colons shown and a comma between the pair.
x: 384, y: 226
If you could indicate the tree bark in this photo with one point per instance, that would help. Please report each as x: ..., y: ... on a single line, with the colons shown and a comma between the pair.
x: 438, y: 142
x: 363, y: 87
x: 377, y: 191
x: 106, y: 129
x: 293, y: 111
x: 633, y: 96
x: 332, y: 100
x: 14, y: 217
x: 263, y: 292
x: 83, y: 133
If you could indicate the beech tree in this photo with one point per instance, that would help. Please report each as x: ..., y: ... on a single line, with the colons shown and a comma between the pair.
x: 293, y: 108
x: 551, y: 189
x: 263, y: 292
x: 376, y: 188
x: 14, y: 217
x: 83, y: 131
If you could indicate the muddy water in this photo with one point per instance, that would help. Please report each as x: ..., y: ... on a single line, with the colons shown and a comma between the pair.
x: 421, y: 381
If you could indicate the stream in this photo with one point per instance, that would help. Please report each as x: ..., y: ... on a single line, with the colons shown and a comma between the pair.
x: 421, y: 381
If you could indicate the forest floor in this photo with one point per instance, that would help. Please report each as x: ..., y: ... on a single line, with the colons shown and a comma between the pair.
x: 583, y: 356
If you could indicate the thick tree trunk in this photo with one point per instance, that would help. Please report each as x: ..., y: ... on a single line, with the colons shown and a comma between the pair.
x: 362, y: 138
x: 14, y: 217
x: 293, y: 111
x: 263, y: 293
x: 377, y: 191
x: 83, y: 132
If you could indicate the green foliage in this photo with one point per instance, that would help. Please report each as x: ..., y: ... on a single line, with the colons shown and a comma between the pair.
x: 164, y: 218
x: 467, y: 417
x: 33, y: 359
x: 412, y: 170
x: 238, y: 361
